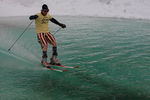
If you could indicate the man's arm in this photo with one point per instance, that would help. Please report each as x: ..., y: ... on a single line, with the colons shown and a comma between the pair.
x: 56, y: 22
x: 33, y: 17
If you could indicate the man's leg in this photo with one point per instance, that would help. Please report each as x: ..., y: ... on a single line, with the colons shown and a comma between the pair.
x: 52, y: 41
x: 44, y: 47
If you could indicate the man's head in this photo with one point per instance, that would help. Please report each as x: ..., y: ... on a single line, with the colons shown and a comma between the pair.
x: 44, y: 10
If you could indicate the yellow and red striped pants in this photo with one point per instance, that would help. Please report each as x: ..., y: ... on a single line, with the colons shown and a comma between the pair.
x: 46, y: 38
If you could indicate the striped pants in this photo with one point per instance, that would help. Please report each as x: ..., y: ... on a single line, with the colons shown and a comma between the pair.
x: 46, y: 38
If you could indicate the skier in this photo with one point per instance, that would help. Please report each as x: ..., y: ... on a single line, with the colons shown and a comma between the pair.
x: 44, y: 36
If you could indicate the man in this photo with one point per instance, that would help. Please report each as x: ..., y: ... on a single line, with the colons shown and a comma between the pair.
x: 44, y: 36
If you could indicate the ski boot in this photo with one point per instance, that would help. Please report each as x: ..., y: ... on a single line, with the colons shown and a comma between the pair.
x: 45, y: 63
x: 54, y: 61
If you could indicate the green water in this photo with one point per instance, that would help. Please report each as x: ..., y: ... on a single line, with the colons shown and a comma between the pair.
x: 113, y: 55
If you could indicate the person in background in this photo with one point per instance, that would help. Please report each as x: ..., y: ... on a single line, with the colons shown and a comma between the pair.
x: 44, y: 36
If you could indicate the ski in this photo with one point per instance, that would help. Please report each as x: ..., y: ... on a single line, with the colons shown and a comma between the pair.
x: 66, y: 66
x: 58, y: 70
x: 50, y: 67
